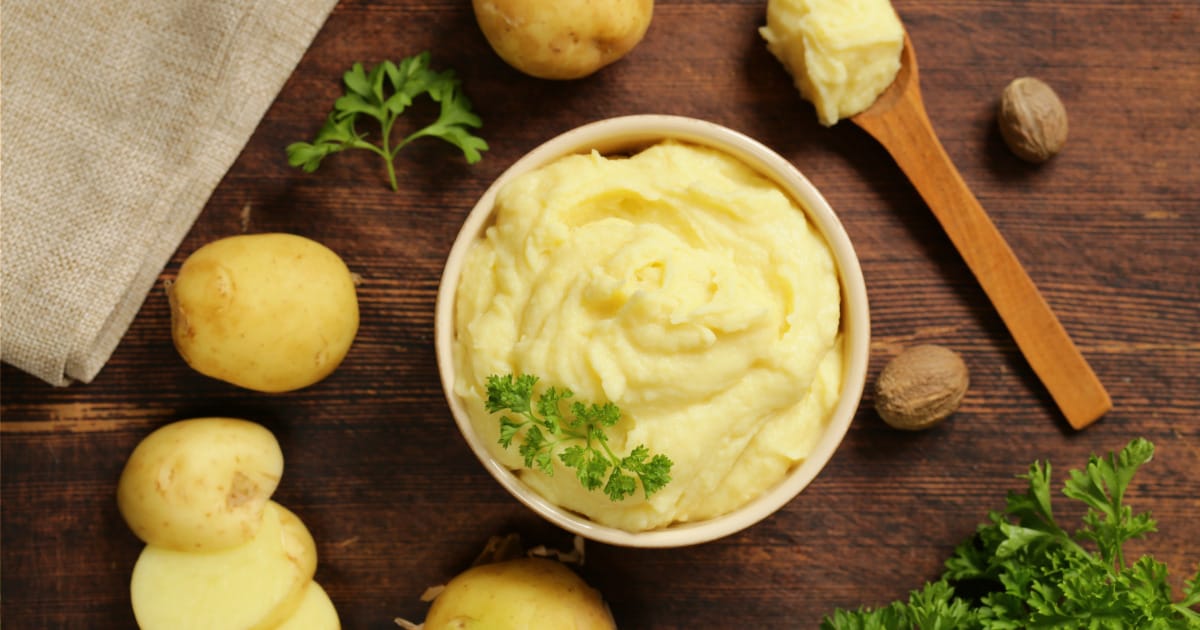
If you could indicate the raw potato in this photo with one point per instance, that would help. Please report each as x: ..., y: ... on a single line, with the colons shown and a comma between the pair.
x: 200, y: 484
x: 562, y: 39
x: 268, y: 312
x: 316, y: 612
x: 253, y: 586
x: 517, y: 595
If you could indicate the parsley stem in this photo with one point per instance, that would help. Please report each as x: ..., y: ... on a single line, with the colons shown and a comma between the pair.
x: 410, y: 138
x: 387, y: 154
x: 611, y: 455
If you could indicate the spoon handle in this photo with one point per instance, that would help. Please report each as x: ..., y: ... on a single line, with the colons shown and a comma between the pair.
x: 906, y: 133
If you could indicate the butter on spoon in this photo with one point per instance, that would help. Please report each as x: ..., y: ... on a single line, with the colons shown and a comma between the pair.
x: 898, y: 121
x: 841, y: 53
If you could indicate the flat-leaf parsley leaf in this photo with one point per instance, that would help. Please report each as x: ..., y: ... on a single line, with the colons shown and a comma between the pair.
x: 577, y: 437
x: 1023, y: 570
x: 383, y: 93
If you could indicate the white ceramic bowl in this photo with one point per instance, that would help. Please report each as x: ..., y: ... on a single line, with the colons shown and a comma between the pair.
x: 621, y: 135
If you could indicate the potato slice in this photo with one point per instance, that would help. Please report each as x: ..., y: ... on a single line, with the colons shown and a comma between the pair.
x: 200, y: 484
x: 519, y: 594
x: 252, y: 586
x: 316, y: 612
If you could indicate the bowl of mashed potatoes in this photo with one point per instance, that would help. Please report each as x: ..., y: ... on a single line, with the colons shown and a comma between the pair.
x: 682, y: 272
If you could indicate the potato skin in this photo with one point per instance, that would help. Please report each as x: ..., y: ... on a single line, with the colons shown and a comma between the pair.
x: 519, y: 594
x: 268, y: 312
x: 562, y: 39
x: 200, y: 484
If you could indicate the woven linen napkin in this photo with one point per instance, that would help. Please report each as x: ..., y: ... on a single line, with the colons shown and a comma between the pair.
x: 117, y: 120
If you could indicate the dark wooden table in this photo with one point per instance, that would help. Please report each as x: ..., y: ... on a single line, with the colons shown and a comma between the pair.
x: 1109, y: 230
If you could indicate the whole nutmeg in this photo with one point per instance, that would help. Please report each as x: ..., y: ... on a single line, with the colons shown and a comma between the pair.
x: 920, y: 387
x: 1032, y: 120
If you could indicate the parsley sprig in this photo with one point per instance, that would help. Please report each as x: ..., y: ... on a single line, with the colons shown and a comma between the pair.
x: 578, y: 438
x: 1027, y: 571
x: 384, y: 92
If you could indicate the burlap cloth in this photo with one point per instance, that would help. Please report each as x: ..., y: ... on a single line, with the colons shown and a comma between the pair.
x: 117, y: 120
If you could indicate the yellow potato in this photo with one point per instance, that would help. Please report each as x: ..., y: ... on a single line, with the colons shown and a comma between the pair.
x: 200, y: 484
x: 268, y: 312
x: 516, y: 595
x: 253, y: 586
x: 562, y: 39
x: 316, y: 612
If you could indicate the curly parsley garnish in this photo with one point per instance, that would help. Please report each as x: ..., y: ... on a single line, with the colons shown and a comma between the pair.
x: 1023, y: 570
x: 578, y: 438
x: 383, y: 93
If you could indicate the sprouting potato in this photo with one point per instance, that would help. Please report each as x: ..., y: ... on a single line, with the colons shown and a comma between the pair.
x: 200, y: 484
x: 562, y: 39
x: 268, y: 312
x: 256, y: 585
x: 516, y: 595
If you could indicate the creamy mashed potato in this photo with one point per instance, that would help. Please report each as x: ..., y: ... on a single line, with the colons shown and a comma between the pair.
x: 677, y: 283
x: 842, y: 54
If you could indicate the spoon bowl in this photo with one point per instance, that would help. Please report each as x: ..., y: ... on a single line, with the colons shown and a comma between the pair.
x: 898, y: 121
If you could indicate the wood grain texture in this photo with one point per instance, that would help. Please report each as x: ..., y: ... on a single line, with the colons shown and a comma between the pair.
x: 1108, y: 230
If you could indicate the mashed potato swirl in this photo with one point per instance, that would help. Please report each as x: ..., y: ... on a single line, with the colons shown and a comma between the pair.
x: 679, y: 284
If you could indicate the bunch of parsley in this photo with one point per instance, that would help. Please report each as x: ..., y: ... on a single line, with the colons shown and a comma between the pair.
x: 1023, y: 570
x: 383, y: 93
x: 578, y: 438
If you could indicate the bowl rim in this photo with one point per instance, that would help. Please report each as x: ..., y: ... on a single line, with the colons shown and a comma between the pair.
x: 622, y: 133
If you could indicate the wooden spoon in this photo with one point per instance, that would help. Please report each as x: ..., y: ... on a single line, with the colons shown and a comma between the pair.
x: 898, y: 121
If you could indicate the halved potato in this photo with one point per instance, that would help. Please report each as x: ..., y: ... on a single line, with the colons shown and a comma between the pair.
x: 252, y: 586
x: 316, y: 612
x: 200, y: 484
